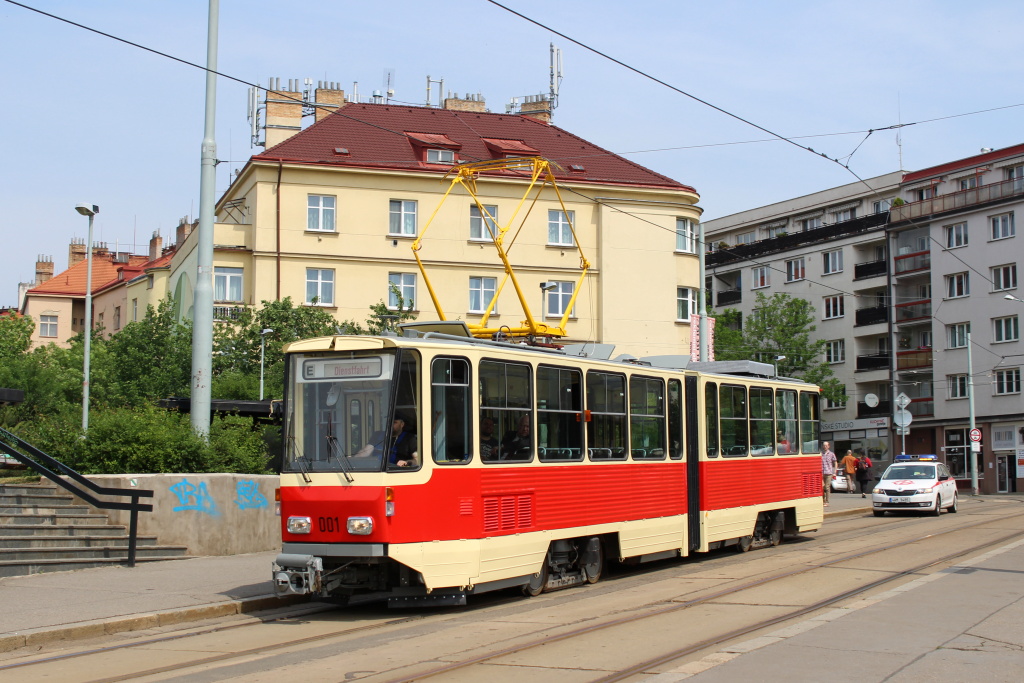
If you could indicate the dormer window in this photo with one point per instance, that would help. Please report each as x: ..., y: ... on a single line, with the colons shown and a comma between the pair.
x: 440, y: 156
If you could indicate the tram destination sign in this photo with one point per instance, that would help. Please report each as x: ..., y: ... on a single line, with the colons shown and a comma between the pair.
x: 342, y: 368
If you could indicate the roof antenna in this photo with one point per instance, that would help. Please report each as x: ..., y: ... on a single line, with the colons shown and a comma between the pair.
x: 899, y: 131
x: 556, y: 74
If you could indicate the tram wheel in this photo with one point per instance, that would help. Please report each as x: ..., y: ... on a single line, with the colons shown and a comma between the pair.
x: 775, y: 537
x: 538, y: 581
x: 593, y: 570
x: 743, y: 545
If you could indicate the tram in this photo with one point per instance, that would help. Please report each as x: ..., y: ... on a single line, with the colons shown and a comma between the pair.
x: 426, y: 468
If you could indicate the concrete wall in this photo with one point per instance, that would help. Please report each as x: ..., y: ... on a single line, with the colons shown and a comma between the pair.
x: 211, y: 514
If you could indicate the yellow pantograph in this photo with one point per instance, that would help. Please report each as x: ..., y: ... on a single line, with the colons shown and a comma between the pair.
x: 540, y: 178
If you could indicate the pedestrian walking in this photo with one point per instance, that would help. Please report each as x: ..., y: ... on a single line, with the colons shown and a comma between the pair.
x: 828, y: 469
x: 849, y: 463
x: 864, y: 474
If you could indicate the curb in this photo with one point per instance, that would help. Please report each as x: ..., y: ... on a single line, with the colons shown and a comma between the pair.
x: 138, y: 622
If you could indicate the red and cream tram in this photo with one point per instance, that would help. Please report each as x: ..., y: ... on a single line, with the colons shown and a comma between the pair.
x: 422, y: 470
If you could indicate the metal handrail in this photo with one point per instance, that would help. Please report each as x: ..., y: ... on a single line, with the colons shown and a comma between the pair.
x: 51, y: 464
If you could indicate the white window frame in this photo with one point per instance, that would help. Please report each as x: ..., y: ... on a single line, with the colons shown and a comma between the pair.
x: 829, y: 404
x: 686, y: 236
x: 835, y: 351
x: 320, y: 286
x: 958, y: 285
x: 969, y: 183
x: 402, y: 218
x: 1005, y: 329
x: 1004, y: 277
x: 1002, y: 226
x: 440, y: 156
x: 559, y: 228
x: 956, y: 335
x: 479, y: 222
x: 881, y: 206
x: 844, y: 215
x: 812, y: 223
x: 559, y: 297
x: 686, y: 304
x: 406, y: 283
x: 48, y: 326
x: 321, y: 212
x: 956, y: 386
x: 832, y: 262
x: 481, y: 290
x: 760, y: 277
x: 1007, y: 382
x: 746, y: 238
x: 228, y: 281
x: 835, y: 307
x: 135, y: 310
x: 956, y: 236
x: 796, y: 270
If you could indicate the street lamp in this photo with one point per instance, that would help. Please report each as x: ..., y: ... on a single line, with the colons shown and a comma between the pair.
x: 775, y: 365
x: 545, y: 287
x: 1011, y: 297
x: 89, y: 210
x: 263, y: 347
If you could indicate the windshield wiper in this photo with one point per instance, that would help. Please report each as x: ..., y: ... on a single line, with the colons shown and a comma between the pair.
x: 298, y: 460
x: 335, y: 450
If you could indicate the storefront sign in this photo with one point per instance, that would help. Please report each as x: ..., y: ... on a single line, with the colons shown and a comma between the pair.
x: 865, y: 423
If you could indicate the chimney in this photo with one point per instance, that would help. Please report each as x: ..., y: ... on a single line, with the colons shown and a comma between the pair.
x: 182, y: 231
x: 76, y: 251
x: 538, y: 107
x: 329, y: 98
x: 44, y: 269
x: 156, y: 246
x: 284, y: 111
x: 470, y: 103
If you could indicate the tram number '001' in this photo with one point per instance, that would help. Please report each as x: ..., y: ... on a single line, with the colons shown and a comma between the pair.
x: 328, y: 524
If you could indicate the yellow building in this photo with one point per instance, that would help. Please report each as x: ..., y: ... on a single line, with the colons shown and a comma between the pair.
x: 328, y: 216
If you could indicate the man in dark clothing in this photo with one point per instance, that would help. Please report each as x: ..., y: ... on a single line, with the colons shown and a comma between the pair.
x: 401, y: 451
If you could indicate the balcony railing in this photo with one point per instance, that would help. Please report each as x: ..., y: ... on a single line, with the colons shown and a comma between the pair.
x: 913, y: 359
x: 912, y: 263
x: 957, y: 200
x: 864, y: 410
x: 862, y: 271
x: 873, y: 361
x: 913, y: 311
x: 871, y: 316
x: 728, y: 297
x: 922, y: 407
x: 225, y: 313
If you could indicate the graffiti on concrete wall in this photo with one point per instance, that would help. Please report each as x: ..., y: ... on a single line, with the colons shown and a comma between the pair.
x: 192, y: 497
x: 248, y: 495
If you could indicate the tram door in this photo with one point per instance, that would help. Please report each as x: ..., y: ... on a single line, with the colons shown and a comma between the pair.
x: 362, y: 418
x: 692, y: 464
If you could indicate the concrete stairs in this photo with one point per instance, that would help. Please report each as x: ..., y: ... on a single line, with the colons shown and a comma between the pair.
x: 45, y: 529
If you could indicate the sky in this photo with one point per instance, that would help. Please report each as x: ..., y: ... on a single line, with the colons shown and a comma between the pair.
x: 87, y: 119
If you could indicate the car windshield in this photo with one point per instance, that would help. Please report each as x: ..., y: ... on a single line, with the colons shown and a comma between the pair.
x: 915, y: 471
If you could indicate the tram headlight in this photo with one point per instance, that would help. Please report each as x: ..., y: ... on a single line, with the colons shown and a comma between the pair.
x: 360, y: 526
x: 299, y: 525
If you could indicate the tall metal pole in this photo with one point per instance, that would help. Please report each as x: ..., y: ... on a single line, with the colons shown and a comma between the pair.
x: 88, y: 327
x: 202, y: 316
x: 702, y: 309
x: 970, y: 409
x: 263, y: 346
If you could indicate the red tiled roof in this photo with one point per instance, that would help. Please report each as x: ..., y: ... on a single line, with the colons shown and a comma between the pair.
x: 509, y: 146
x: 375, y: 138
x: 434, y: 139
x: 963, y: 164
x: 71, y: 282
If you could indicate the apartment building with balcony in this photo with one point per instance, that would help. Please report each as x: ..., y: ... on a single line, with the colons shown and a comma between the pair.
x: 829, y: 248
x: 955, y: 257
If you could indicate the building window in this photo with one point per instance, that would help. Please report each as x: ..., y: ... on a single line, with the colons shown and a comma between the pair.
x: 227, y: 284
x: 402, y: 219
x: 135, y: 310
x: 686, y: 238
x: 956, y: 335
x: 969, y: 183
x: 320, y: 286
x: 560, y: 227
x: 746, y: 238
x: 881, y: 206
x: 1004, y: 277
x: 957, y: 386
x: 811, y: 223
x: 835, y: 351
x: 483, y: 226
x: 924, y: 193
x: 759, y: 277
x: 481, y: 292
x: 834, y: 307
x: 844, y: 215
x: 406, y: 285
x: 440, y: 156
x: 1002, y: 226
x: 1006, y: 329
x: 558, y: 299
x: 47, y: 326
x: 836, y: 405
x: 1016, y: 174
x: 320, y: 213
x: 832, y: 262
x: 795, y: 270
x: 956, y: 235
x: 686, y: 304
x: 958, y: 285
x: 117, y: 318
x: 1007, y: 382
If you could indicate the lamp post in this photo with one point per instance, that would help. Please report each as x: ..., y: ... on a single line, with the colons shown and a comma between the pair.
x: 545, y: 287
x: 775, y: 365
x: 263, y: 347
x: 89, y: 210
x: 1011, y: 297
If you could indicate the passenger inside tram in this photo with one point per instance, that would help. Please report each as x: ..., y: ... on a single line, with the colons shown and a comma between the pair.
x: 518, y: 444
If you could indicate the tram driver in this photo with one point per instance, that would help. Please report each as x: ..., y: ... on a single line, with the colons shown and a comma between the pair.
x: 401, y: 451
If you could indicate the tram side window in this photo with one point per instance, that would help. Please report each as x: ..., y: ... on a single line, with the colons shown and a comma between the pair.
x: 733, y: 410
x: 451, y: 436
x: 786, y: 425
x: 762, y: 421
x: 647, y: 418
x: 675, y: 419
x: 809, y: 425
x: 407, y: 403
x: 505, y: 401
x: 711, y: 419
x: 606, y: 401
x: 559, y: 408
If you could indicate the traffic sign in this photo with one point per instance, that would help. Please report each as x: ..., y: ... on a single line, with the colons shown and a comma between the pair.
x: 902, y: 431
x: 975, y: 435
x: 902, y: 400
x: 902, y: 418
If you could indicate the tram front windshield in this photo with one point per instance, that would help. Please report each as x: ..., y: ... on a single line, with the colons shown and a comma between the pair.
x: 338, y: 407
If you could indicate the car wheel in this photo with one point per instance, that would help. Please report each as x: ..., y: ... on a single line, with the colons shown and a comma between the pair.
x: 878, y: 513
x: 953, y: 507
x: 938, y: 506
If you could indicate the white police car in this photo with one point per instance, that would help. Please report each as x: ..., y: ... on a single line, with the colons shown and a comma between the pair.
x: 915, y: 482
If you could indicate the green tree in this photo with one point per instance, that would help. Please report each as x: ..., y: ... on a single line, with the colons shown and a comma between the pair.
x: 150, y: 358
x: 15, y: 336
x: 385, y: 319
x: 781, y: 325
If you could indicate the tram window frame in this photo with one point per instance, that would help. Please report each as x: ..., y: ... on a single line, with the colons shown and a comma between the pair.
x: 565, y: 420
x: 641, y: 423
x: 406, y: 400
x: 443, y: 394
x: 507, y: 415
x: 762, y: 420
x: 712, y: 433
x: 675, y: 419
x: 810, y: 427
x: 727, y: 394
x: 607, y: 428
x: 788, y: 425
